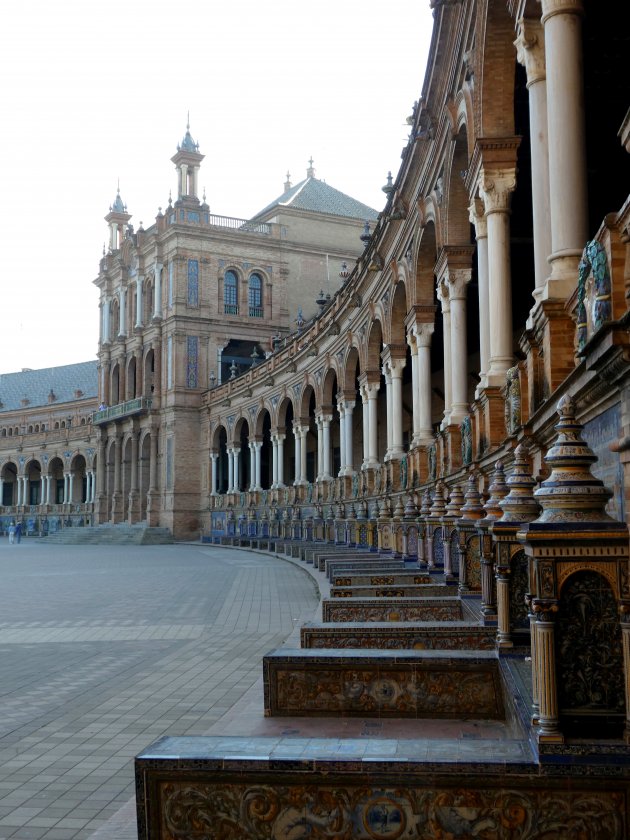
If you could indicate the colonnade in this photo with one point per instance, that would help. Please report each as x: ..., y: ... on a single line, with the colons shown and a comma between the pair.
x: 47, y: 494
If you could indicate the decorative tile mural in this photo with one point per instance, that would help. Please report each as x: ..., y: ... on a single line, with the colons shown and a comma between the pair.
x: 193, y: 282
x: 192, y: 361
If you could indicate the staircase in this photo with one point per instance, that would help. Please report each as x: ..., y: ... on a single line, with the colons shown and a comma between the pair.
x: 112, y: 535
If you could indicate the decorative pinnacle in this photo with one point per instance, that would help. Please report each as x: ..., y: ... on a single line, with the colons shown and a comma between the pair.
x: 454, y: 506
x: 389, y: 187
x: 438, y: 508
x: 498, y: 490
x: 519, y: 505
x: 571, y: 493
x: 473, y: 508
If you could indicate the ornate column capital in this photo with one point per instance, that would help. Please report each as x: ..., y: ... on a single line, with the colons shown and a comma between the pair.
x: 530, y: 49
x: 442, y: 293
x: 424, y: 333
x: 458, y: 279
x: 496, y: 187
x: 477, y: 216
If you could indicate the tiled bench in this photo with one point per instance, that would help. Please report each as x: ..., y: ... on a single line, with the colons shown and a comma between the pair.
x: 346, y: 566
x: 421, y: 590
x: 379, y: 683
x: 386, y: 578
x: 392, y: 609
x: 420, y: 636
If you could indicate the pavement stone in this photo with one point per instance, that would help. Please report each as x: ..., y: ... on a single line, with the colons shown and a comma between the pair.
x: 103, y: 650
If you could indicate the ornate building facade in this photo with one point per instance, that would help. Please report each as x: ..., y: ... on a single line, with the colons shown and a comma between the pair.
x: 185, y: 305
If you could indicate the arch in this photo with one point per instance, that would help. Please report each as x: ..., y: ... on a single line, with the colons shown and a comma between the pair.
x: 8, y: 473
x: 78, y: 471
x: 115, y: 319
x: 56, y: 473
x: 350, y: 365
x: 148, y: 301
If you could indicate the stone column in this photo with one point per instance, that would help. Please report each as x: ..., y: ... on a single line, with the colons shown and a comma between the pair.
x: 252, y: 465
x: 236, y: 455
x: 442, y: 293
x: 349, y: 443
x: 139, y: 285
x: 504, y: 637
x: 153, y: 456
x: 258, y: 464
x: 495, y: 188
x: 133, y: 477
x: 388, y: 407
x: 423, y: 334
x: 101, y: 469
x: 366, y: 425
x: 280, y: 450
x: 157, y: 292
x: 1, y: 492
x: 230, y: 453
x: 297, y: 446
x: 396, y: 367
x: 415, y: 402
x: 546, y: 663
x: 458, y: 280
x: 326, y: 453
x: 214, y: 457
x: 530, y: 52
x: 562, y: 20
x: 372, y: 392
x: 320, y: 437
x: 70, y: 487
x: 478, y: 219
x: 122, y: 327
x: 341, y: 406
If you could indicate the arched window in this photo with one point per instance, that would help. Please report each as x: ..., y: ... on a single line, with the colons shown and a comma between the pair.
x: 255, y: 296
x: 230, y: 293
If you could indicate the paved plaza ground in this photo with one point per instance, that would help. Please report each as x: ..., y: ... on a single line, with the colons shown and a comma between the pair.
x: 105, y: 649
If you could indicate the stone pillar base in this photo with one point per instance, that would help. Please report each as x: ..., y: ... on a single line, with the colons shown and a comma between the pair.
x: 489, y: 410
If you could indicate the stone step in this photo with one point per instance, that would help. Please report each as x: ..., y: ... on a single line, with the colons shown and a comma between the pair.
x: 422, y: 590
x: 321, y: 560
x: 392, y: 609
x: 377, y: 683
x: 425, y: 635
x: 112, y: 535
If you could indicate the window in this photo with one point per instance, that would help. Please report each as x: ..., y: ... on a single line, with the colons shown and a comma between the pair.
x: 230, y: 293
x: 255, y: 296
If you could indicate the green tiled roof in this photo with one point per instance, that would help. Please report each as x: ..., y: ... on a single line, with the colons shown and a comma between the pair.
x: 316, y: 196
x: 36, y: 385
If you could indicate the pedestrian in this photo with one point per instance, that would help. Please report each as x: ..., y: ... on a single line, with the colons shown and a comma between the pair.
x: 11, y: 533
x: 18, y: 532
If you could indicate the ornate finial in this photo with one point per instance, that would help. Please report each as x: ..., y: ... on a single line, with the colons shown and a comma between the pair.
x: 425, y: 503
x: 498, y: 490
x: 287, y: 183
x: 344, y: 273
x: 233, y: 369
x: 310, y: 172
x: 104, y: 252
x: 170, y: 199
x: 438, y: 508
x: 571, y: 494
x: 454, y: 506
x: 411, y: 511
x: 473, y: 508
x: 188, y: 120
x: 389, y: 187
x: 519, y: 505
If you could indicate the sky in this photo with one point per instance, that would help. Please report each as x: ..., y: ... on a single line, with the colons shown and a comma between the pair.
x: 95, y: 94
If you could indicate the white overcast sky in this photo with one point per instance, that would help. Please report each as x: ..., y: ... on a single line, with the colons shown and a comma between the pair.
x: 93, y: 92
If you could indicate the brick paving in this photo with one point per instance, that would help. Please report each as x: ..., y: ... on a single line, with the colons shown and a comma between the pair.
x: 105, y: 649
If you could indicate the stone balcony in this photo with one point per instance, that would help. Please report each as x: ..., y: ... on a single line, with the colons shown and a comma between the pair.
x: 140, y: 405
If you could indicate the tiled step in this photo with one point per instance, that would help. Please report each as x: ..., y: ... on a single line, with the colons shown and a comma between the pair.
x: 456, y: 635
x: 392, y: 609
x: 417, y: 684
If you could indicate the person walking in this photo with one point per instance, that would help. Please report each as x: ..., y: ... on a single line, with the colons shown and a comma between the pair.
x: 11, y: 533
x: 18, y: 532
